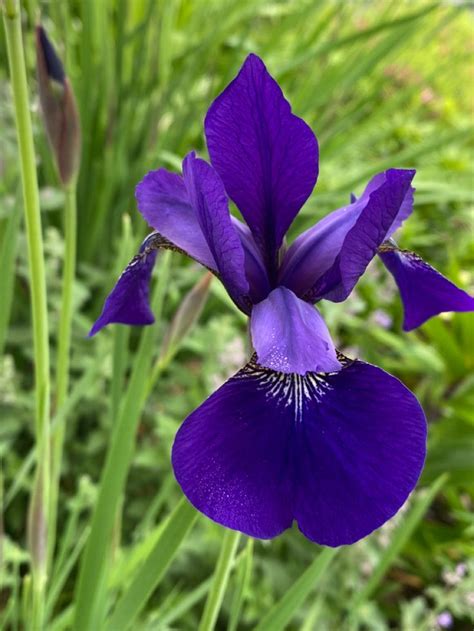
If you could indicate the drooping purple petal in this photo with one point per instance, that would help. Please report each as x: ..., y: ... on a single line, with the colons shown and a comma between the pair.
x: 164, y: 203
x: 339, y: 453
x: 266, y: 156
x: 209, y: 201
x: 424, y: 291
x: 128, y: 302
x: 327, y: 260
x: 361, y: 446
x: 232, y: 457
x: 290, y: 336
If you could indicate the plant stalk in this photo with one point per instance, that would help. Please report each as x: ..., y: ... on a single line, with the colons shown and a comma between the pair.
x: 64, y: 351
x: 40, y: 496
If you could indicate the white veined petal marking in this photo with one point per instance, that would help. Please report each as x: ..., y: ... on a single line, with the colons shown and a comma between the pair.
x: 287, y: 389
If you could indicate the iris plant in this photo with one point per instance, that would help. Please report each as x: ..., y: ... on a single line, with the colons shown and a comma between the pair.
x: 301, y: 432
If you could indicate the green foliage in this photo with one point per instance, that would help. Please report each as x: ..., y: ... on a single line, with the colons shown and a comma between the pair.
x: 382, y: 84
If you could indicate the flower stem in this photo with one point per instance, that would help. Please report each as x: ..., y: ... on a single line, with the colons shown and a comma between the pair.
x: 40, y: 497
x: 219, y: 581
x: 64, y: 350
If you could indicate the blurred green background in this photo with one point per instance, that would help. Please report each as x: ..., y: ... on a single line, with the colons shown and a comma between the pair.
x: 382, y: 84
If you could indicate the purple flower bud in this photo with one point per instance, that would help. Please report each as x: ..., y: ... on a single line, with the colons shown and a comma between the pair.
x: 59, y: 108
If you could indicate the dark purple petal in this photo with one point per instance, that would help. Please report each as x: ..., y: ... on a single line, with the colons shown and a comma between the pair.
x: 232, y: 458
x: 361, y: 446
x: 209, y: 201
x: 164, y: 203
x: 339, y: 453
x: 266, y: 156
x: 255, y: 270
x: 424, y: 291
x: 327, y: 260
x: 128, y: 302
x: 290, y: 336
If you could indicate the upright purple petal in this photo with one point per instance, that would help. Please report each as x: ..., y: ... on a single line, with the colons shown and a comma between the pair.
x: 290, y: 336
x: 327, y: 260
x: 255, y: 269
x: 128, y: 302
x: 266, y: 156
x: 209, y: 201
x: 339, y: 453
x: 424, y: 291
x: 164, y: 203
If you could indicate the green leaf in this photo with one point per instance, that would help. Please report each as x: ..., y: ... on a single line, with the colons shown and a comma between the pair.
x: 284, y: 610
x: 400, y: 538
x: 148, y: 576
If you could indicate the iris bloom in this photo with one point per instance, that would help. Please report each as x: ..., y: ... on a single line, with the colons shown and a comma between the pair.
x: 301, y: 432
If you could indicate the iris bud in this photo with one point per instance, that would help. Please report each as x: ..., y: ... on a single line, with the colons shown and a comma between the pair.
x: 59, y: 108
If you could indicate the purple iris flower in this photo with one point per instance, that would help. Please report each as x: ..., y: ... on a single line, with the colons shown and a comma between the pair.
x: 301, y: 432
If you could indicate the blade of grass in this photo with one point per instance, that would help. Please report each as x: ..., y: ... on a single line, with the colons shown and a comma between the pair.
x: 284, y: 610
x: 242, y: 583
x: 400, y: 538
x: 148, y: 577
x: 7, y: 277
x: 215, y: 597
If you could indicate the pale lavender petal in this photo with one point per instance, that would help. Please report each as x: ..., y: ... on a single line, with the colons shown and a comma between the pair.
x: 266, y: 156
x: 209, y: 201
x: 290, y: 336
x: 327, y: 260
x: 164, y: 203
x: 424, y: 291
x: 128, y: 302
x: 339, y: 453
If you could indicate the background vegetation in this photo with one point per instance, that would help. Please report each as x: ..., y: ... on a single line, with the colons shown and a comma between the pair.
x: 382, y: 84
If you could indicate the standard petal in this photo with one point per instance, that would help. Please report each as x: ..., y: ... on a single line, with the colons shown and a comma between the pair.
x: 327, y: 260
x: 128, y: 302
x: 424, y: 291
x: 255, y: 270
x: 361, y: 446
x: 266, y: 156
x: 164, y: 203
x: 290, y: 336
x: 209, y: 201
x: 339, y: 453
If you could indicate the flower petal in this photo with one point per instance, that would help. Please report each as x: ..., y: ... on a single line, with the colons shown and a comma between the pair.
x: 361, y: 446
x: 266, y: 156
x: 327, y: 260
x: 424, y: 291
x: 128, y: 302
x: 231, y: 457
x: 255, y: 270
x: 340, y: 453
x: 289, y: 335
x: 164, y: 203
x: 208, y: 198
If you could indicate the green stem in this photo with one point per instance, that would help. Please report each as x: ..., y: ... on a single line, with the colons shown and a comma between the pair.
x: 220, y: 579
x: 64, y: 351
x: 12, y: 23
